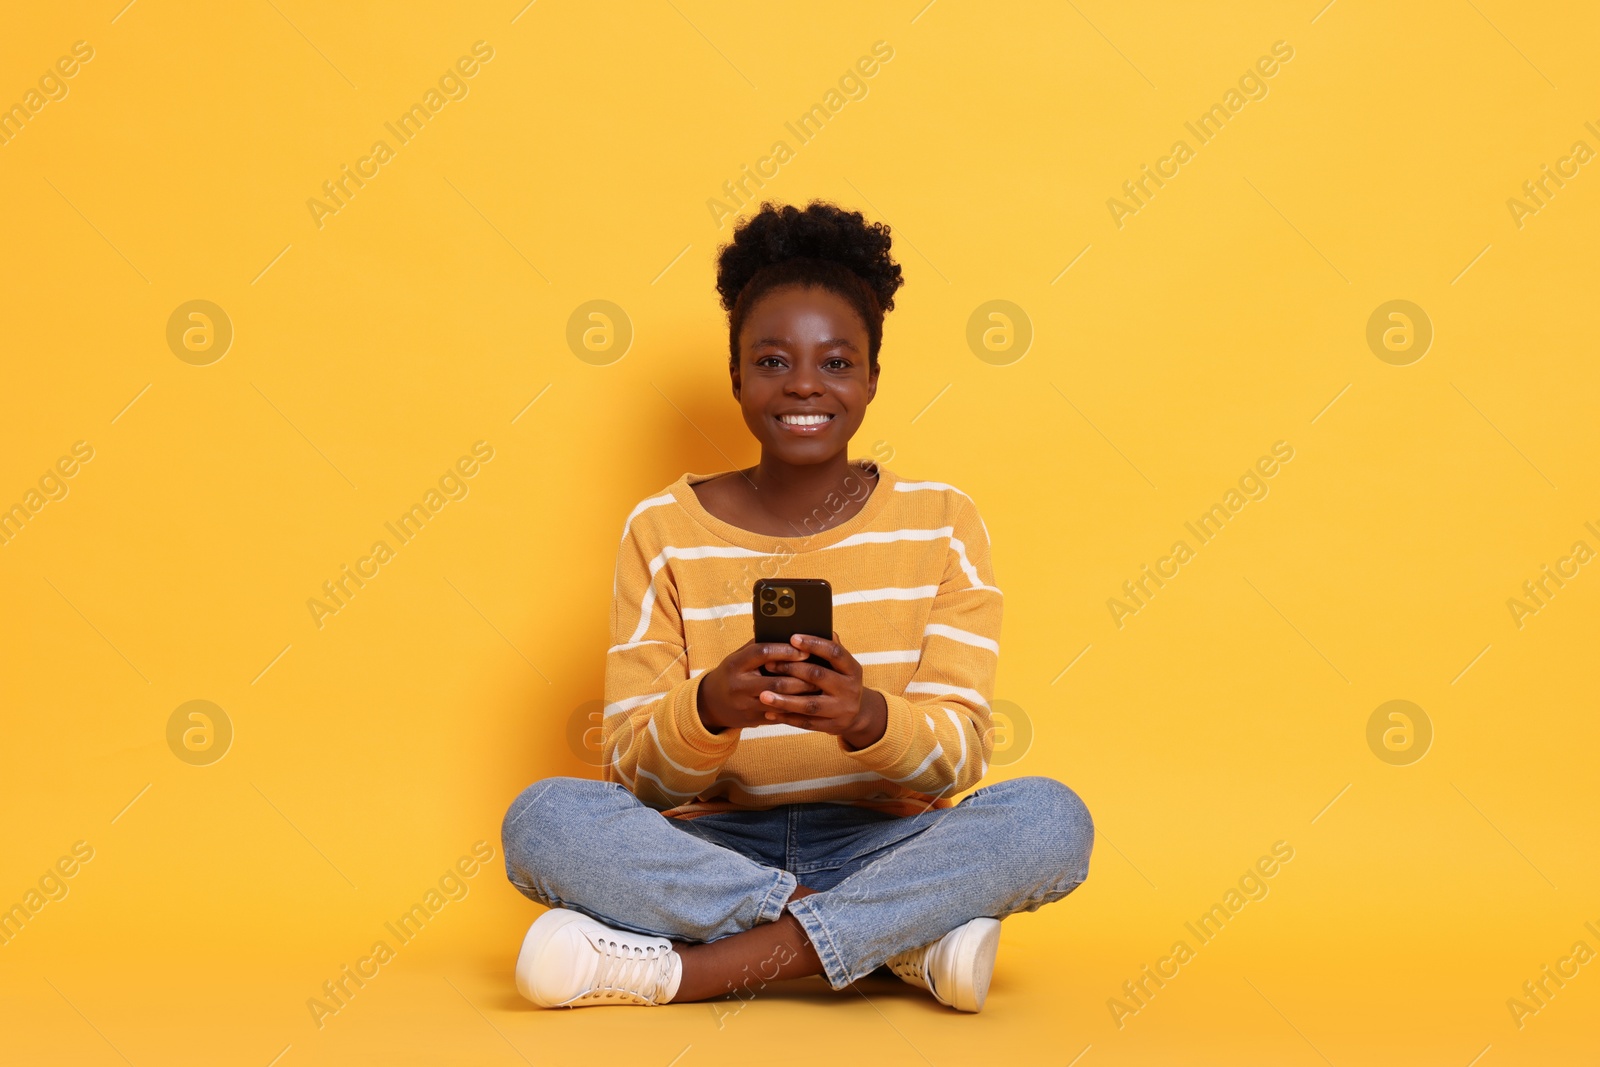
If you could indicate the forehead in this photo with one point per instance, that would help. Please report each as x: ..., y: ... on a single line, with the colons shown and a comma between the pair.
x: 803, y: 311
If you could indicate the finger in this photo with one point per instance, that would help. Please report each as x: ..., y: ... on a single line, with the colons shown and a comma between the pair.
x: 785, y: 685
x: 753, y: 656
x: 800, y: 722
x: 770, y: 676
x: 798, y: 705
x: 832, y: 651
x: 824, y: 679
x: 746, y: 657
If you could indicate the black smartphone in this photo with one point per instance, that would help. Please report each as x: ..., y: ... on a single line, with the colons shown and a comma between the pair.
x: 784, y: 607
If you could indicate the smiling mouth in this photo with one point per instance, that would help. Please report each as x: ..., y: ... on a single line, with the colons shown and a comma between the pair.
x: 803, y: 422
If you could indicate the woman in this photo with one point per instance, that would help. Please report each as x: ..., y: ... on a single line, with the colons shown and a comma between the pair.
x: 759, y: 826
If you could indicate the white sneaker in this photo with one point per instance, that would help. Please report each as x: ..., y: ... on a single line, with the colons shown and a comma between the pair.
x: 957, y: 968
x: 570, y: 960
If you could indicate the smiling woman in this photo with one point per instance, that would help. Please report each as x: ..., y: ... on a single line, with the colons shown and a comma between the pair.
x: 787, y: 809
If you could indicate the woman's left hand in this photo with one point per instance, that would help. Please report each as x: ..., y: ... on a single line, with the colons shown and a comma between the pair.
x: 842, y: 706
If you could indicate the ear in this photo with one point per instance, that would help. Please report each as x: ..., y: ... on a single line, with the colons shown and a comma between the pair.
x: 733, y: 373
x: 872, y: 384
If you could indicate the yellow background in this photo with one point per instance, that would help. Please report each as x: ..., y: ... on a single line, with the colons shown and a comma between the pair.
x: 369, y: 354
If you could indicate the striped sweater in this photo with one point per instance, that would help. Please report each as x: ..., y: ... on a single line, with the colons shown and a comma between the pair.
x: 914, y: 600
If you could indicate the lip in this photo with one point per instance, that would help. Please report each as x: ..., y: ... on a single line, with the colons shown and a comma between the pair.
x: 805, y: 431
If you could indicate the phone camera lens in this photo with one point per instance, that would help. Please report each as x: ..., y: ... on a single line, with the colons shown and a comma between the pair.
x: 768, y: 609
x: 768, y: 593
x: 786, y: 602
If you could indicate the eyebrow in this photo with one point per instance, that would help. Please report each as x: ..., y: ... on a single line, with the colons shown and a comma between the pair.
x: 831, y: 342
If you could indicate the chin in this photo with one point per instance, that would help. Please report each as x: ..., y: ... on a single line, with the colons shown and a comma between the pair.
x: 803, y: 453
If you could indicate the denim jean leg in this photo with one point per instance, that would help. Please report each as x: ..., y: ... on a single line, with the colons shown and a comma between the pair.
x: 596, y: 848
x: 1014, y: 846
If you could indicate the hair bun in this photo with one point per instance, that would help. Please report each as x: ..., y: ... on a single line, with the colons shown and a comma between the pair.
x: 819, y: 231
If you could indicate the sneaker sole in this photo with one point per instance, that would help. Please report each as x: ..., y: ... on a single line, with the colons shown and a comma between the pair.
x: 538, y: 936
x: 975, y: 952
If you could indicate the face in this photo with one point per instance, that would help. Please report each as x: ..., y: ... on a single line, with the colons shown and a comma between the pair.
x: 803, y: 352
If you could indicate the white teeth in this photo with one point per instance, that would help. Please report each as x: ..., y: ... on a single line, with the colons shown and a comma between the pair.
x: 804, y: 420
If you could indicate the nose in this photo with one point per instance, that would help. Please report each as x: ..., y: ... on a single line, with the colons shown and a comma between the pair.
x: 805, y: 380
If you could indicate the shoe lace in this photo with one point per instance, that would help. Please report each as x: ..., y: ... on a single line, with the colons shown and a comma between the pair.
x: 632, y: 972
x: 908, y: 965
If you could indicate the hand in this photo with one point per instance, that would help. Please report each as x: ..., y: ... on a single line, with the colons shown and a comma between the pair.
x: 728, y: 697
x: 842, y: 705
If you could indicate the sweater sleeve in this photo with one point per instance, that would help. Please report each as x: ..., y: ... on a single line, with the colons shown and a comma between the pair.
x: 652, y: 739
x: 938, y: 738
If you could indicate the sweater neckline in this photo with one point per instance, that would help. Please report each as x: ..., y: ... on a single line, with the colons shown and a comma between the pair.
x: 737, y: 535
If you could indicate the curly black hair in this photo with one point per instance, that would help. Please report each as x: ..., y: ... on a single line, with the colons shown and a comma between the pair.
x: 820, y: 245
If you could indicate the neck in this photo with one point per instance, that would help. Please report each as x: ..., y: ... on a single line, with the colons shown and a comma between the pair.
x: 793, y: 494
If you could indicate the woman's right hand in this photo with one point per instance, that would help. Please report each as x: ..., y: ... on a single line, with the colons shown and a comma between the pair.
x: 729, y: 696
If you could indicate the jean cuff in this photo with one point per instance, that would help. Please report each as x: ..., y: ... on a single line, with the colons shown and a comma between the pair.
x: 833, y: 966
x: 771, y: 909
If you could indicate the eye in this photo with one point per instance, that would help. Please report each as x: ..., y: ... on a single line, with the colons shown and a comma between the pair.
x: 843, y: 364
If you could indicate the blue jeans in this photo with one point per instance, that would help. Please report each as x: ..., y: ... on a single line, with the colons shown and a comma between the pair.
x: 884, y: 883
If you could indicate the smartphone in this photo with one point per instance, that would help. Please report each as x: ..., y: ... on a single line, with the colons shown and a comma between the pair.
x: 784, y: 607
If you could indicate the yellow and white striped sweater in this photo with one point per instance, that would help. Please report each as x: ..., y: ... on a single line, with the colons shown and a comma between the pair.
x: 915, y: 602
